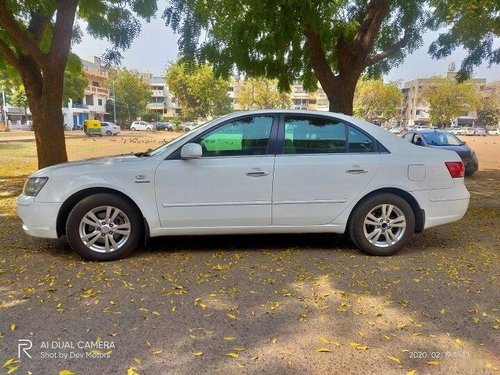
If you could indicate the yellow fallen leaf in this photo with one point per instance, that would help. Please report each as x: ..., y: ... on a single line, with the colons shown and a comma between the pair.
x: 476, y: 320
x: 197, y: 353
x: 323, y: 350
x: 432, y: 363
x: 412, y: 372
x: 136, y: 360
x: 218, y: 267
x: 131, y: 371
x: 395, y: 359
x: 239, y: 349
x: 12, y: 327
x: 232, y: 316
x: 458, y: 341
x: 8, y: 362
x: 357, y: 346
x: 12, y: 369
x: 66, y: 372
x: 234, y: 355
x: 157, y: 351
x: 489, y: 366
x: 322, y: 339
x: 229, y: 338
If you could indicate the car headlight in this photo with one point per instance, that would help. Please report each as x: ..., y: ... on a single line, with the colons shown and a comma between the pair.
x: 33, y: 185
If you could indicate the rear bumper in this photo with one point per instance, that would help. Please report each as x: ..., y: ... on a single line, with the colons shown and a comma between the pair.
x: 443, y: 206
x: 39, y: 219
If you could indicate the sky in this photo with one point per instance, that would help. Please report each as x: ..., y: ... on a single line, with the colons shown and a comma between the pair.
x: 157, y: 45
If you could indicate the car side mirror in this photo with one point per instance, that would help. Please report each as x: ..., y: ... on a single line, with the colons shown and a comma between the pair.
x: 191, y: 151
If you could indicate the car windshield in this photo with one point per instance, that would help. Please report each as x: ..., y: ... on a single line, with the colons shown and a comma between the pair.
x: 162, y: 148
x: 442, y: 139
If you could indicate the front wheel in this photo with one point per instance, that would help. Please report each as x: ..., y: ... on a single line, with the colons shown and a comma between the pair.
x: 104, y: 227
x: 109, y: 133
x: 382, y: 224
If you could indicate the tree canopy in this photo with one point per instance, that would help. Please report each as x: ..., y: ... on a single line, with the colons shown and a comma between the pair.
x: 199, y: 92
x: 471, y: 24
x: 449, y: 99
x: 261, y: 93
x: 374, y: 99
x: 132, y: 95
x: 332, y: 42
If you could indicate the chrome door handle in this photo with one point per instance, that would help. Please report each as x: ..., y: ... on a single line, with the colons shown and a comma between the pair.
x: 256, y: 174
x: 356, y: 171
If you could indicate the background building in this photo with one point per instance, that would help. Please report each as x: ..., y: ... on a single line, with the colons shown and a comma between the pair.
x: 415, y: 108
x: 93, y: 105
x: 162, y: 101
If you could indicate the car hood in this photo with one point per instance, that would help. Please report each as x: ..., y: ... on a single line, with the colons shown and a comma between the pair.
x: 124, y: 161
x: 462, y: 150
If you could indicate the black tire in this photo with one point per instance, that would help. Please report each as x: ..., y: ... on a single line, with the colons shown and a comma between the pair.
x: 130, y: 216
x: 109, y: 133
x: 374, y: 205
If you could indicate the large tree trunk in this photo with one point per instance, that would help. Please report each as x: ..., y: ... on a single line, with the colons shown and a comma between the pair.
x: 341, y: 94
x: 45, y: 98
x: 49, y: 132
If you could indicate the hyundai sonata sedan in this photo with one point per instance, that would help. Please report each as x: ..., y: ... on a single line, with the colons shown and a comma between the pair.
x: 274, y: 171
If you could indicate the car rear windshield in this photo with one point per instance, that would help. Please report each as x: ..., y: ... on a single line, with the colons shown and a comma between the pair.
x: 442, y: 139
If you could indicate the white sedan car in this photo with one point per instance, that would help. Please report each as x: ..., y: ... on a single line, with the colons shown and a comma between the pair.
x: 108, y: 128
x: 275, y: 171
x: 142, y: 125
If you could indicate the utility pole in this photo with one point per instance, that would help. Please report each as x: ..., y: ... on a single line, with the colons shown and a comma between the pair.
x: 114, y: 103
x: 4, y: 112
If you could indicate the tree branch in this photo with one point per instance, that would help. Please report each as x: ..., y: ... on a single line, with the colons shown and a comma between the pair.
x: 19, y: 36
x: 318, y: 56
x: 391, y: 50
x: 10, y: 56
x: 37, y: 25
x: 377, y: 10
x: 63, y: 32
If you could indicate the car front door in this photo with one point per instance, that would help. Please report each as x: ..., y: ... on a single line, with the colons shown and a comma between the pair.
x: 229, y: 186
x: 324, y: 166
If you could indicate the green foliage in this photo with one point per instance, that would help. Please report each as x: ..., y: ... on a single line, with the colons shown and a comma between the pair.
x: 489, y: 114
x: 267, y: 38
x: 18, y: 97
x: 75, y: 80
x: 471, y: 24
x: 375, y: 100
x: 261, y: 93
x: 449, y: 99
x: 199, y: 92
x: 131, y: 94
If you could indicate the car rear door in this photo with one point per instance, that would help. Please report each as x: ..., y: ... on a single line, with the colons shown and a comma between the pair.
x: 324, y: 165
x: 229, y: 186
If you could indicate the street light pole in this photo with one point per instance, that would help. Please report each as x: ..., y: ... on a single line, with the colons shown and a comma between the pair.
x: 4, y: 112
x: 114, y: 103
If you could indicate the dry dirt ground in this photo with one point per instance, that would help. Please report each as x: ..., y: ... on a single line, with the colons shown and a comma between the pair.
x: 308, y: 304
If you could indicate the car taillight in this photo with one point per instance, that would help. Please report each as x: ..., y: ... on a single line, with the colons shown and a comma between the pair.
x: 456, y: 168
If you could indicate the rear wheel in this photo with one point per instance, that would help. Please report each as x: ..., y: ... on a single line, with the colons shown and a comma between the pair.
x: 104, y: 227
x: 382, y: 224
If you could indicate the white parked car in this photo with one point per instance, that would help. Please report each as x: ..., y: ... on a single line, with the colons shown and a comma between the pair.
x: 274, y: 171
x: 142, y: 125
x: 494, y: 132
x: 108, y: 128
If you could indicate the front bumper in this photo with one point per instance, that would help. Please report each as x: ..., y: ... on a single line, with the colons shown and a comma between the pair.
x: 39, y: 219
